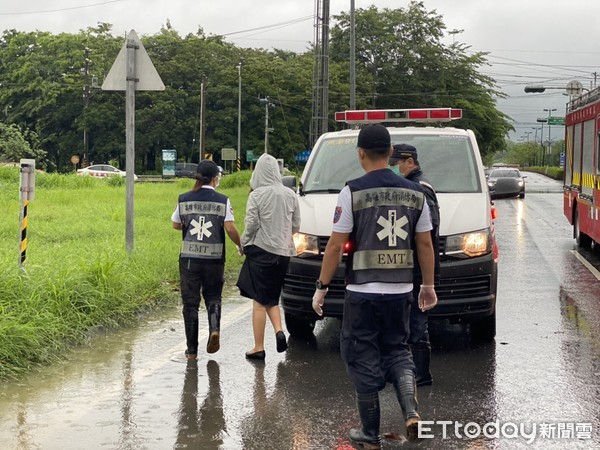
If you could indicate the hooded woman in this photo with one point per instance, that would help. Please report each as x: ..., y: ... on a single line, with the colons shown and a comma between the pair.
x: 272, y: 217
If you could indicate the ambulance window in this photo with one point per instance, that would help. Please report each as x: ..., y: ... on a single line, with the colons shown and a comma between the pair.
x: 447, y: 161
x: 334, y: 163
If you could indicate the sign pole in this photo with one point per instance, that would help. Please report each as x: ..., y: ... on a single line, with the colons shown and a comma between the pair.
x: 131, y: 71
x: 129, y: 141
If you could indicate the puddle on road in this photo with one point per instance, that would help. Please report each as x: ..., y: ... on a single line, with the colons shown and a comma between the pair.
x: 104, y: 392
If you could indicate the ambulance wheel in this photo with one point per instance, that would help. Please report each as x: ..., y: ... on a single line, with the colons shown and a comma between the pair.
x: 299, y: 326
x: 484, y: 329
x: 583, y: 240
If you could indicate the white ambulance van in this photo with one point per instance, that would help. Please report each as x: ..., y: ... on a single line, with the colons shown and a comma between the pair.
x: 450, y: 159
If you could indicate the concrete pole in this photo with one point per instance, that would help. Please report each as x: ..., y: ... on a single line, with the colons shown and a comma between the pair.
x: 352, y: 57
x: 201, y: 138
x: 267, y: 125
x: 239, y: 140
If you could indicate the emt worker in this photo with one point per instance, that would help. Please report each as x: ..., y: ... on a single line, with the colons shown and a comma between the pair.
x: 385, y: 218
x: 272, y: 217
x: 405, y: 157
x: 204, y: 216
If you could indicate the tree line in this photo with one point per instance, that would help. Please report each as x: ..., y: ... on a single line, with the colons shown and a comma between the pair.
x: 50, y: 89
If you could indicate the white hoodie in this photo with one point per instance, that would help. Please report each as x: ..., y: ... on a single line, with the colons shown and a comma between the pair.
x: 272, y: 210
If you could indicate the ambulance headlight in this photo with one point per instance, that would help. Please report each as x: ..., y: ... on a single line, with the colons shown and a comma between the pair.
x: 306, y: 244
x: 469, y: 245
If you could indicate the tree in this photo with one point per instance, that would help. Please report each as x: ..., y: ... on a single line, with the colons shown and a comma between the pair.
x: 14, y: 145
x: 403, y: 63
x: 524, y: 154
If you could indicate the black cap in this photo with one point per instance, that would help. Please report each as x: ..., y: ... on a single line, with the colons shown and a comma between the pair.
x: 207, y: 169
x: 374, y: 137
x: 403, y: 151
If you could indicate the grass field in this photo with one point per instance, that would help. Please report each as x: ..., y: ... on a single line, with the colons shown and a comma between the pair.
x: 78, y: 278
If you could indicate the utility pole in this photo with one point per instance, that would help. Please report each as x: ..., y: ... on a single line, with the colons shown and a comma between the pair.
x: 239, y: 140
x: 86, y: 104
x: 320, y: 101
x: 352, y: 57
x: 201, y: 131
x: 265, y: 101
x: 267, y: 125
x: 550, y: 110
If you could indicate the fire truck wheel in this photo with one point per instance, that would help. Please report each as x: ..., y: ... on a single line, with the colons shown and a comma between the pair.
x: 583, y: 240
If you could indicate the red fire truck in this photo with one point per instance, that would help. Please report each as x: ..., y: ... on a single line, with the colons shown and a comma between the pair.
x: 582, y: 167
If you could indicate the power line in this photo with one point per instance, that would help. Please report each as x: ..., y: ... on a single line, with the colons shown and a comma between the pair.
x: 59, y: 10
x: 274, y: 26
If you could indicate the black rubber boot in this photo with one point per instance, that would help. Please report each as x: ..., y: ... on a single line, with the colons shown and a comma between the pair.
x: 421, y: 357
x: 368, y: 409
x: 190, y: 321
x: 406, y: 391
x: 214, y: 328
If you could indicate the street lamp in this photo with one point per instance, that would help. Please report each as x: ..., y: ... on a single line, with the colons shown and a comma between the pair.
x: 550, y: 111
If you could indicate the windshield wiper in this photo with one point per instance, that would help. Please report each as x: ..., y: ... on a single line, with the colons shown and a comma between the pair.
x: 328, y: 191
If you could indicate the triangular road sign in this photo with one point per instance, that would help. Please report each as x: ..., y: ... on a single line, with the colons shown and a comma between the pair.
x: 148, y: 77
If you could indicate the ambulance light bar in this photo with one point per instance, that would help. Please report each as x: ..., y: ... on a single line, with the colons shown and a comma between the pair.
x: 399, y: 115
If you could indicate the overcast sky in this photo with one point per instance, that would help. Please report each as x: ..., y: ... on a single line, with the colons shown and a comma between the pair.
x: 530, y: 41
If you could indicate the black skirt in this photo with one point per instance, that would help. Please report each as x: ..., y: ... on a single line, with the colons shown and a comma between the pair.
x: 262, y: 274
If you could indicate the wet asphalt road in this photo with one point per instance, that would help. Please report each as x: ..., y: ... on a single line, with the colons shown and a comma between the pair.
x: 134, y: 389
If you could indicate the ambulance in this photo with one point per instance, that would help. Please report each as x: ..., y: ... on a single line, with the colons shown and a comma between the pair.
x: 451, y: 160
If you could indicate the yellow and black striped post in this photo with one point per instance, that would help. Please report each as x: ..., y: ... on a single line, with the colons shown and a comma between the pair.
x: 239, y: 165
x: 27, y: 189
x: 23, y: 252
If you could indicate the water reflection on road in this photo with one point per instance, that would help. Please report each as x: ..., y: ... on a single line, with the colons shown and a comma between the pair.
x: 134, y: 389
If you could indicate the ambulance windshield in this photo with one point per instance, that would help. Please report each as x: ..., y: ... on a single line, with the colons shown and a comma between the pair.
x: 447, y: 161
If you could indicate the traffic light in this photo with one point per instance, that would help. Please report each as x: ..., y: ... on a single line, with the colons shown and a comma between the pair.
x: 529, y: 89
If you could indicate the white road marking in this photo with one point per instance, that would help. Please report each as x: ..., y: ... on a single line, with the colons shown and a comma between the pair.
x: 584, y: 261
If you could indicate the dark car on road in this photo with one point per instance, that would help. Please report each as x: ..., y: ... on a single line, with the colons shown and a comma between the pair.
x: 506, y: 182
x: 185, y: 170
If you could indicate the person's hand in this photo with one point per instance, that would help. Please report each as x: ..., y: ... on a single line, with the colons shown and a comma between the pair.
x: 427, y: 297
x: 318, y: 300
x: 240, y: 250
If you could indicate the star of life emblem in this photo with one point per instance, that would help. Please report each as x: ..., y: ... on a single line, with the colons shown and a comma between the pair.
x: 200, y: 229
x: 392, y: 228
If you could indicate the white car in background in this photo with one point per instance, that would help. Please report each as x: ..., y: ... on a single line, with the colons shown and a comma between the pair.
x: 102, y: 171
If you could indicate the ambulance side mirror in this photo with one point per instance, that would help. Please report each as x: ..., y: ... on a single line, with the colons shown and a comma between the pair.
x: 290, y: 182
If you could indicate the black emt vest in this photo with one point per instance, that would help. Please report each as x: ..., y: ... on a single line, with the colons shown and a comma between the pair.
x: 434, y: 209
x: 202, y: 217
x: 385, y: 208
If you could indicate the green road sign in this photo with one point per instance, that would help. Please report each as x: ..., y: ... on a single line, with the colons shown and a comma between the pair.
x: 556, y: 120
x: 250, y: 156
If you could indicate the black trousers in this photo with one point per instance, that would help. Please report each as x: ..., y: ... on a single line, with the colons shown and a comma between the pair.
x: 374, y: 339
x: 198, y: 277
